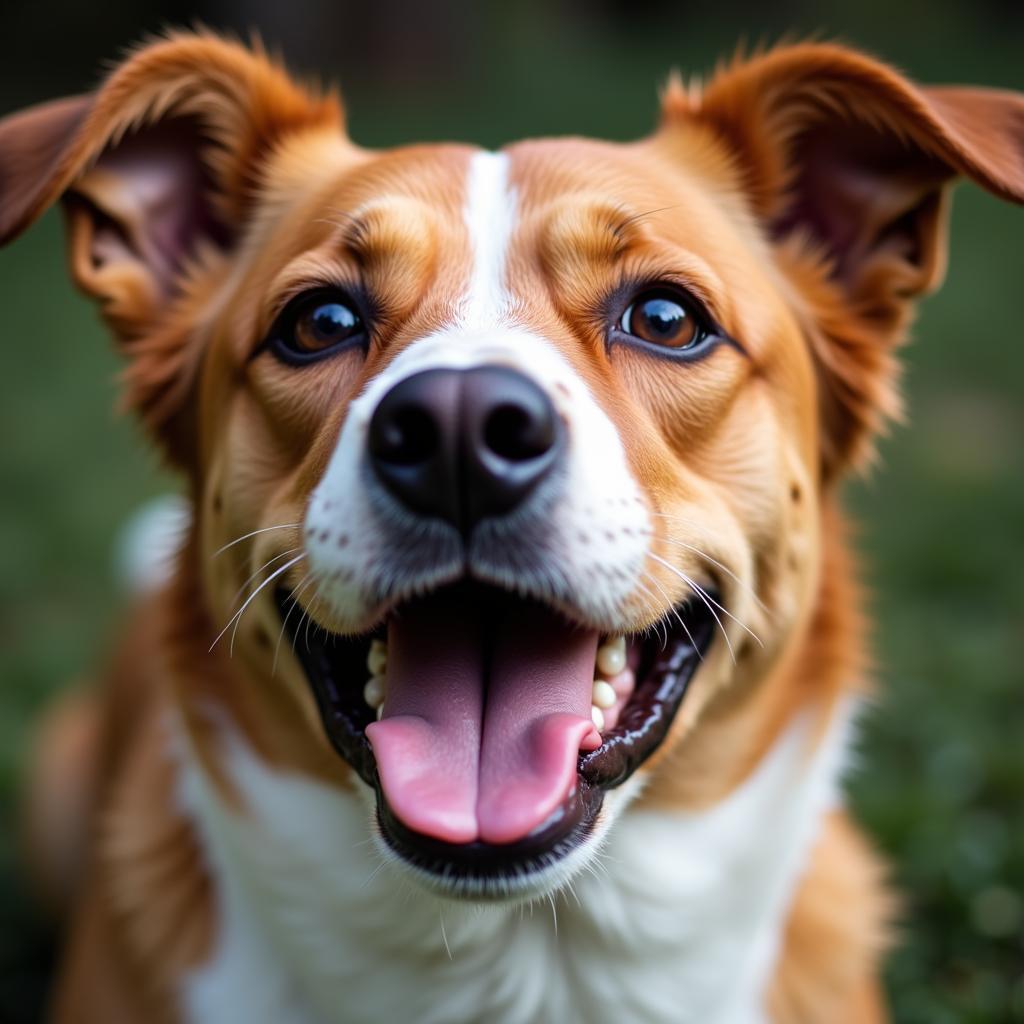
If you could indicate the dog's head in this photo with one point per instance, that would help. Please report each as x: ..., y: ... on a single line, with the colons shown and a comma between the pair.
x: 506, y: 465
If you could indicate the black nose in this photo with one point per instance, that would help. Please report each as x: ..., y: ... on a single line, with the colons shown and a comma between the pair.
x: 464, y: 444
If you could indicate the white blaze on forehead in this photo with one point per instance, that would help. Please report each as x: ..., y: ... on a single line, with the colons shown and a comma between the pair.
x: 490, y: 217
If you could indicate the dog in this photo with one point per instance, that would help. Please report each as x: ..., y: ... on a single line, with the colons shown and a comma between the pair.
x: 509, y: 662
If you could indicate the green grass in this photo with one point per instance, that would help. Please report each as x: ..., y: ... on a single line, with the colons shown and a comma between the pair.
x: 941, y: 781
x: 69, y: 472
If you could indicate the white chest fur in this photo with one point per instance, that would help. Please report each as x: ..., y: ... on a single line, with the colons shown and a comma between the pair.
x: 680, y: 922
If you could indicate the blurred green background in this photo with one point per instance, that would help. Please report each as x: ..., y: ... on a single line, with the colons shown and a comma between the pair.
x: 941, y: 782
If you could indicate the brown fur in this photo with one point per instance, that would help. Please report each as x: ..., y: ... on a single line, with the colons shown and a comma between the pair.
x: 741, y: 452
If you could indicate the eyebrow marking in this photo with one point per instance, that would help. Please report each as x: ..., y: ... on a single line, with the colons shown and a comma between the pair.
x: 628, y: 220
x: 489, y: 214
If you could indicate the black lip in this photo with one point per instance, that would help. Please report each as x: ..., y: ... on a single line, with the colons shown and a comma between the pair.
x: 485, y: 869
x: 335, y: 668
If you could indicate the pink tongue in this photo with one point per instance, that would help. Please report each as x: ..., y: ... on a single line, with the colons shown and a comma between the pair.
x: 457, y: 770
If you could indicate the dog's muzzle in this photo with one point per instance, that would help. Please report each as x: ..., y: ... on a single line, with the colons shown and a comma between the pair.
x: 493, y: 697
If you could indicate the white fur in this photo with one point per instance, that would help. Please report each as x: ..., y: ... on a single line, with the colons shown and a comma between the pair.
x: 490, y: 218
x: 681, y: 921
x: 150, y: 542
x: 579, y: 541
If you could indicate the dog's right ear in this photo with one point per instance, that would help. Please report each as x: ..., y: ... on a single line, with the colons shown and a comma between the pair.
x: 847, y: 166
x: 158, y: 171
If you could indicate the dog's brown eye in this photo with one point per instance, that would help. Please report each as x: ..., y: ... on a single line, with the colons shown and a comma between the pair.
x: 325, y: 325
x: 316, y: 325
x: 662, y: 318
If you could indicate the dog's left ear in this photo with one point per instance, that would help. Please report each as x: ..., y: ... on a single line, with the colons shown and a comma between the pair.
x: 159, y: 167
x: 847, y: 166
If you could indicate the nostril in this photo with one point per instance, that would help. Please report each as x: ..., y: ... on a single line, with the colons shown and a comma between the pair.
x: 406, y: 437
x: 514, y: 433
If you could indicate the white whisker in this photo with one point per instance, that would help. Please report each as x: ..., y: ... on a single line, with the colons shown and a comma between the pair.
x: 654, y: 598
x: 234, y: 620
x: 373, y: 874
x: 708, y: 558
x: 265, y: 565
x: 686, y: 579
x: 704, y: 594
x: 246, y: 536
x: 444, y: 936
x: 675, y: 612
x: 309, y: 619
x: 572, y: 890
x: 725, y: 611
x: 304, y: 617
x: 303, y: 583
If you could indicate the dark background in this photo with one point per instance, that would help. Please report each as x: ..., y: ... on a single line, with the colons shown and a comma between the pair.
x: 941, y: 780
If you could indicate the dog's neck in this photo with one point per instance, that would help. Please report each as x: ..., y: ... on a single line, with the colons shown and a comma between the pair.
x: 683, y: 915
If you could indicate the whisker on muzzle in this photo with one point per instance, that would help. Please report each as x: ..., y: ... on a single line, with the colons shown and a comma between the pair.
x: 310, y: 620
x: 266, y: 565
x: 654, y: 597
x: 237, y: 617
x: 254, y: 533
x: 710, y: 558
x: 674, y: 611
x: 711, y: 604
x: 293, y: 602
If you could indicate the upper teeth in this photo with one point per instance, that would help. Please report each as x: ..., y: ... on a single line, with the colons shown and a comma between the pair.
x: 375, y: 689
x: 377, y: 659
x: 374, y: 692
x: 611, y: 662
x: 611, y: 656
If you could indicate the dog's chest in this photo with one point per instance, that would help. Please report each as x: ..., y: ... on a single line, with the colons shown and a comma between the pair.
x: 680, y: 922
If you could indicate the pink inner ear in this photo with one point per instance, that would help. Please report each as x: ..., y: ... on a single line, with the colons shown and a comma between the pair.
x: 152, y: 197
x: 859, y: 191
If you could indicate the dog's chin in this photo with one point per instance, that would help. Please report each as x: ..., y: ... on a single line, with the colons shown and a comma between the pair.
x: 499, y: 861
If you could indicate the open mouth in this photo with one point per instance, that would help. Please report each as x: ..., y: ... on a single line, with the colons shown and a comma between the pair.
x: 491, y: 727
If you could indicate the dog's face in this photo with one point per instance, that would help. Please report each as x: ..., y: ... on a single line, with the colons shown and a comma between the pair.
x: 543, y: 447
x: 508, y: 466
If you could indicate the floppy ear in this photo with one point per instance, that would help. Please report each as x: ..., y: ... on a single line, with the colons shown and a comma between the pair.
x: 158, y: 171
x: 847, y: 165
